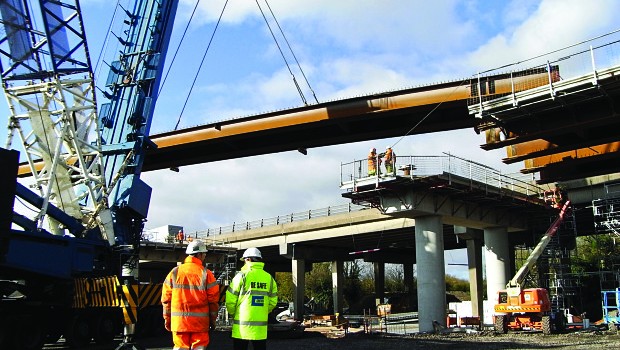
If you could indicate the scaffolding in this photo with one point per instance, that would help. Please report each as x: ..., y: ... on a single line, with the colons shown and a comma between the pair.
x: 553, y: 269
x: 556, y: 261
x: 607, y: 211
x: 224, y: 271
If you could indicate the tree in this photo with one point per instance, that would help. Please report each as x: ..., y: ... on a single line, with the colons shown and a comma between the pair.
x: 597, y: 253
x: 454, y: 284
x: 356, y: 284
x: 394, y: 278
x: 319, y: 285
x: 286, y: 289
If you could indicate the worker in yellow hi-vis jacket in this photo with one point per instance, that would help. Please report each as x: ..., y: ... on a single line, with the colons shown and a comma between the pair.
x: 251, y: 296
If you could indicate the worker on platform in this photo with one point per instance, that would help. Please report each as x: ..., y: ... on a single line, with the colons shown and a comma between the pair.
x: 390, y: 160
x: 373, y: 159
x: 190, y: 300
x: 251, y: 296
x: 180, y: 236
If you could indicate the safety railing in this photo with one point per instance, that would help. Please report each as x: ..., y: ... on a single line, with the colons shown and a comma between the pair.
x: 358, y: 172
x: 589, y: 57
x: 277, y: 220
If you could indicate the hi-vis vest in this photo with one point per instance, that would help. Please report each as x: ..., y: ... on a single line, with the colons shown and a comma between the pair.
x: 190, y: 297
x: 251, y: 296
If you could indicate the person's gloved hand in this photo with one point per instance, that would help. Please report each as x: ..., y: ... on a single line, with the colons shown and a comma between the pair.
x: 167, y: 324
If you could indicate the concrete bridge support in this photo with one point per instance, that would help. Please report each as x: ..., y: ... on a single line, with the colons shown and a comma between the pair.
x: 379, y: 269
x: 474, y: 264
x: 408, y: 278
x: 431, y: 272
x: 474, y: 240
x: 338, y: 285
x: 497, y: 256
x: 298, y: 269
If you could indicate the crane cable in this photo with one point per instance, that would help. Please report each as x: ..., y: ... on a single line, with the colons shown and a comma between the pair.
x: 301, y: 94
x: 163, y: 82
x: 201, y: 63
x: 429, y: 113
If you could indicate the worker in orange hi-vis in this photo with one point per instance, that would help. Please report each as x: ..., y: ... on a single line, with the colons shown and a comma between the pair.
x: 180, y: 236
x: 190, y: 300
x: 372, y: 162
x: 390, y: 160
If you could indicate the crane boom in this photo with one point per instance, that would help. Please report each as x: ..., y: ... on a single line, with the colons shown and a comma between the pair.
x: 519, y: 277
x: 72, y: 270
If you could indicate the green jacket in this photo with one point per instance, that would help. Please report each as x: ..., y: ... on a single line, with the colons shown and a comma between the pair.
x: 251, y: 296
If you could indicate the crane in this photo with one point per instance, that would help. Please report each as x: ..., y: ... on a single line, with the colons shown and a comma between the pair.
x: 72, y: 268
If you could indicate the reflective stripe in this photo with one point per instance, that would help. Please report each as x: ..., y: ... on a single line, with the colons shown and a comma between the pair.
x: 212, y: 284
x: 260, y: 292
x: 199, y: 348
x: 203, y: 280
x: 188, y: 286
x: 250, y: 323
x: 176, y: 348
x: 185, y: 313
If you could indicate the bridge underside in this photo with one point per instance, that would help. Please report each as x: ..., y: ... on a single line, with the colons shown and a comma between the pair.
x: 361, y: 122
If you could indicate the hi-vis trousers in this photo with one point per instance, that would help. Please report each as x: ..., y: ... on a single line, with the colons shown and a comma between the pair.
x: 190, y: 340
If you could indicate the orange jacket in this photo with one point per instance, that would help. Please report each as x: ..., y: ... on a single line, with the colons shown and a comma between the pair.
x: 389, y: 156
x: 372, y: 160
x: 190, y: 297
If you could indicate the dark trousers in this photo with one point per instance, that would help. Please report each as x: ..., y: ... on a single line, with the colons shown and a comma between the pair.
x: 242, y: 344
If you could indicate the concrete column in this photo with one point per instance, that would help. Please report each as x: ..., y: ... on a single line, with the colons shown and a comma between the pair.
x: 299, y: 282
x: 338, y: 285
x: 497, y: 258
x: 431, y: 272
x: 474, y: 263
x: 379, y: 269
x: 409, y: 287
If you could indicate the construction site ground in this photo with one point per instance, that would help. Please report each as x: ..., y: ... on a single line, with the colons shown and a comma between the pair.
x: 333, y: 338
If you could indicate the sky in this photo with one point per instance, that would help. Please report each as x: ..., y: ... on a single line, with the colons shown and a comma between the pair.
x: 346, y: 48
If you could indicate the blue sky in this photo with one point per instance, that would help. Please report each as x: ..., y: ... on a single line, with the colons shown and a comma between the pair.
x: 346, y: 48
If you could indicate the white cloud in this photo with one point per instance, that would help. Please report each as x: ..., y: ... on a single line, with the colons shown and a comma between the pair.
x: 351, y: 48
x: 346, y: 48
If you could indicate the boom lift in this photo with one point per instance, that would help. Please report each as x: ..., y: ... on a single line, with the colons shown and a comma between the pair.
x: 72, y: 269
x: 528, y: 308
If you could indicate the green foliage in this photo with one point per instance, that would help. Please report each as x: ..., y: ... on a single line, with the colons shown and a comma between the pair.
x: 454, y: 284
x: 286, y: 289
x: 319, y: 285
x: 596, y: 253
x: 353, y: 288
x: 394, y: 278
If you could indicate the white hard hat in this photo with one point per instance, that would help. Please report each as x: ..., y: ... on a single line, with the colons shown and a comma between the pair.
x: 252, y: 253
x: 387, y: 147
x: 195, y: 247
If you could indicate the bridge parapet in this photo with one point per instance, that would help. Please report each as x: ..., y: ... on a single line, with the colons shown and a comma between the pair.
x: 588, y: 59
x: 276, y: 220
x: 354, y: 175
